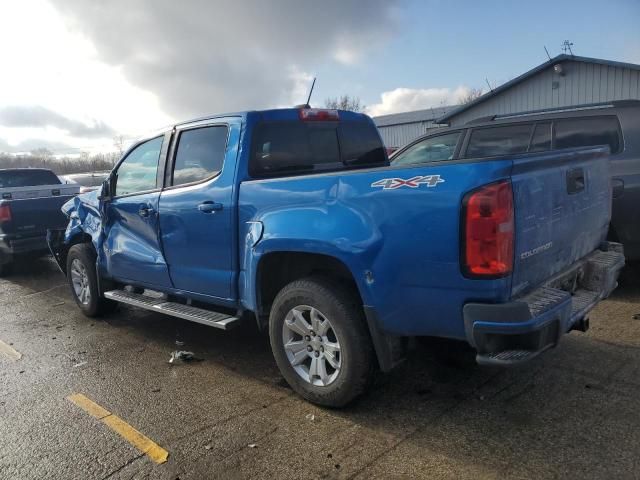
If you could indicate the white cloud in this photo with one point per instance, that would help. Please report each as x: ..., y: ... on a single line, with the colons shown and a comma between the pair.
x: 346, y: 56
x: 52, y: 69
x: 134, y: 66
x: 408, y: 99
x: 206, y: 56
x: 299, y: 91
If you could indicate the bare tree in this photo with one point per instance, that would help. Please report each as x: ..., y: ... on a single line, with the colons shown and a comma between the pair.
x: 345, y: 102
x: 118, y: 142
x: 471, y: 95
x: 83, y: 163
x: 43, y: 156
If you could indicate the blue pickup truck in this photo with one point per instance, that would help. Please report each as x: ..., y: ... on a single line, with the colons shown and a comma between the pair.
x: 296, y: 220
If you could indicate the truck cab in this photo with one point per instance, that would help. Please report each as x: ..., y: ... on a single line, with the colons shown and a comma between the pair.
x: 296, y: 220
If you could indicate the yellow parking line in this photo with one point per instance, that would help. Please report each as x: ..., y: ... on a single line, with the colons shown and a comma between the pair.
x: 147, y: 446
x: 9, y: 352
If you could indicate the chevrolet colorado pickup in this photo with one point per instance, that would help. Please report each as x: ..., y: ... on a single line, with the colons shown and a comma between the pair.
x: 30, y: 201
x: 295, y: 219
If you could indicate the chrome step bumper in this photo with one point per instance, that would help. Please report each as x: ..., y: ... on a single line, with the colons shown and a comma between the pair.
x: 517, y: 331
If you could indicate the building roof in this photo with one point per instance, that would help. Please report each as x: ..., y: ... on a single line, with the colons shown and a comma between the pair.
x: 505, y: 86
x: 427, y: 115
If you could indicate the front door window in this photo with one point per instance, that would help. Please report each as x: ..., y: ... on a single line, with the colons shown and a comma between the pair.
x: 139, y: 171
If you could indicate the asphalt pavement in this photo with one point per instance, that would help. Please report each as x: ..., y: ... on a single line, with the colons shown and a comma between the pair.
x: 573, y: 413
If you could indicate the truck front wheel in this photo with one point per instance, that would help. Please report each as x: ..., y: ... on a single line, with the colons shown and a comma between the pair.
x: 83, y: 280
x: 320, y: 341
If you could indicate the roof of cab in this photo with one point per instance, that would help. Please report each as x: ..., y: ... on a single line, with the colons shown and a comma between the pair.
x: 274, y: 114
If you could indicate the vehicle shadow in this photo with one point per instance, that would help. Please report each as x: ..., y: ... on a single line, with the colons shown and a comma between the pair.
x: 34, y: 273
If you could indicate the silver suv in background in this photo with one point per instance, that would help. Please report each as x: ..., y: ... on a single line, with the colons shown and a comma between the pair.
x: 616, y: 124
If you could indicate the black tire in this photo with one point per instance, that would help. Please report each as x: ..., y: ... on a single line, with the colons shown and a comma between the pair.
x: 97, y: 305
x: 341, y: 306
x: 5, y: 269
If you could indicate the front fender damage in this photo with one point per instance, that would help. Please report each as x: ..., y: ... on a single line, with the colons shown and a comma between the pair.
x: 84, y: 226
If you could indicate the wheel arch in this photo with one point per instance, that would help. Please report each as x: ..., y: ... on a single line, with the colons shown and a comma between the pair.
x: 279, y: 268
x: 63, y: 250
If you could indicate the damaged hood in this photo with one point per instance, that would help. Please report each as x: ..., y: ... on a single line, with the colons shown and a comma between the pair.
x: 84, y: 200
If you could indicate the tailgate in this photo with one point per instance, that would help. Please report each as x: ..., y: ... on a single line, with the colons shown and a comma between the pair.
x: 562, y: 204
x: 36, y: 209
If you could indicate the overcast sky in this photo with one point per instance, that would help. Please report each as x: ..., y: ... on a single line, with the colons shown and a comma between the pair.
x: 77, y: 73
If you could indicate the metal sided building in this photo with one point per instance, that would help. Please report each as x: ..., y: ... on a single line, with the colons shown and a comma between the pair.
x: 564, y: 81
x: 398, y: 129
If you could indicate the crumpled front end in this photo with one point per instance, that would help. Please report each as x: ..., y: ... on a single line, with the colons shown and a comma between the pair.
x: 83, y: 212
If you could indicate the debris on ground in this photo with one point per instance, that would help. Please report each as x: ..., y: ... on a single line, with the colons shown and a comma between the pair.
x: 79, y: 364
x: 183, y: 355
x: 207, y: 447
x: 252, y: 445
x: 310, y: 416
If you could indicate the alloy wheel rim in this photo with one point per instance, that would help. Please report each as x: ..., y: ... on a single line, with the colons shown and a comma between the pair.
x: 311, y: 345
x: 80, y: 282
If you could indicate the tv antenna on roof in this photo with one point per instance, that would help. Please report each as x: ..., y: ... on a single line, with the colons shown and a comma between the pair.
x: 313, y: 84
x: 307, y: 105
x: 566, y: 47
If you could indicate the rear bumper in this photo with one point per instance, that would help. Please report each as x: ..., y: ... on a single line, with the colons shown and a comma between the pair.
x: 514, y: 332
x: 12, y: 245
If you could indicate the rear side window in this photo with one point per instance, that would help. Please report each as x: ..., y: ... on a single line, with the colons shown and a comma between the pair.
x: 360, y: 144
x: 490, y: 142
x: 282, y: 148
x: 541, y: 141
x: 200, y: 154
x: 433, y: 149
x: 588, y: 131
x: 27, y: 178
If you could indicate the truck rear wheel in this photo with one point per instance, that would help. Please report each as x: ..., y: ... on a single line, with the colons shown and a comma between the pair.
x: 83, y: 280
x: 320, y: 341
x: 5, y: 268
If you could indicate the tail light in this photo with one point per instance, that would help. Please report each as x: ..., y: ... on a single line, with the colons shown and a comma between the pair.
x: 5, y: 213
x: 488, y: 231
x: 318, y: 115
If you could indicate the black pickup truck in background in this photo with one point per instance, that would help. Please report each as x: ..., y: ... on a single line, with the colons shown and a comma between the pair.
x: 30, y: 201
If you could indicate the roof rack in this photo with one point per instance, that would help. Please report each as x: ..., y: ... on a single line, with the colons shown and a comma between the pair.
x: 577, y: 108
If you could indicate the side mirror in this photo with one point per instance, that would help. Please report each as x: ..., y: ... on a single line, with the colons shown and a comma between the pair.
x: 105, y: 192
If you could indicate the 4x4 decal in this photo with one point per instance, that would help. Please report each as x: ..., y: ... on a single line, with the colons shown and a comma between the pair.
x: 415, y: 182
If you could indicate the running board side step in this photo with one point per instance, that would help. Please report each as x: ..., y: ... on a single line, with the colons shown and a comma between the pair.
x: 186, y: 312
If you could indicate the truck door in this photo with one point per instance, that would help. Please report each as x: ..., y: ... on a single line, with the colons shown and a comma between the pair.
x: 197, y: 211
x: 131, y: 236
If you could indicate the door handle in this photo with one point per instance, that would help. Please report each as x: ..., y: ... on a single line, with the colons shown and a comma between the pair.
x: 575, y: 180
x: 145, y: 211
x: 209, y: 207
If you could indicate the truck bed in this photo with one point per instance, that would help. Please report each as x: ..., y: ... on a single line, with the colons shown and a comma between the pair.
x: 400, y: 229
